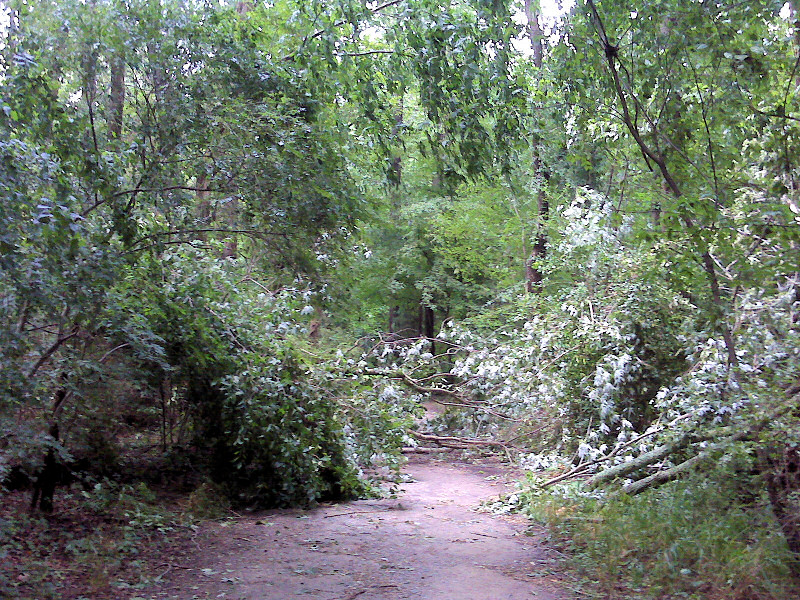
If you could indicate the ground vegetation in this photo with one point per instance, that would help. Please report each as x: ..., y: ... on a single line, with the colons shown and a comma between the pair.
x: 242, y: 242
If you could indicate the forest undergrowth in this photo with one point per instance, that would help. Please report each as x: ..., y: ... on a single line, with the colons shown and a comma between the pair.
x: 242, y: 243
x: 112, y: 541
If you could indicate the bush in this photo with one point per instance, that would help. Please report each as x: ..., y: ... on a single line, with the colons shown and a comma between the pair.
x: 280, y: 442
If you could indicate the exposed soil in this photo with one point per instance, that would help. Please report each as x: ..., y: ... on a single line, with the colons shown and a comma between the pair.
x: 431, y: 542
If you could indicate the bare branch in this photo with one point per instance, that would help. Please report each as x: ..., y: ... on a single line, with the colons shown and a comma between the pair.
x: 455, y: 442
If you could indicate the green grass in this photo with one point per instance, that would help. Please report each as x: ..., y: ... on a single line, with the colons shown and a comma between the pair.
x: 690, y: 539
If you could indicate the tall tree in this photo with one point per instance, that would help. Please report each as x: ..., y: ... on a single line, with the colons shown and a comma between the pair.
x: 533, y: 273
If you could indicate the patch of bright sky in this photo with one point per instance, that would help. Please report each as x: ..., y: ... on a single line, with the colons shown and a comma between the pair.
x: 5, y: 21
x: 552, y: 12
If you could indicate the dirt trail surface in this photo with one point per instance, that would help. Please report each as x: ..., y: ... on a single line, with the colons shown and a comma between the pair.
x: 429, y: 543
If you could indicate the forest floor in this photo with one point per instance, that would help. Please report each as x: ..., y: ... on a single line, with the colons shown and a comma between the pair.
x: 431, y: 541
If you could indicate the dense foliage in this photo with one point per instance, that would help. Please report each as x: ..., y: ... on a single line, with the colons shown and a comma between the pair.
x: 243, y: 240
x: 172, y: 193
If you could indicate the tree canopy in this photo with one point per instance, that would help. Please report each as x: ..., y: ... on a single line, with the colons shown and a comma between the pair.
x: 247, y: 239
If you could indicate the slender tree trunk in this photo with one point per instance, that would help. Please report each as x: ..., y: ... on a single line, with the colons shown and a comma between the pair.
x: 395, y: 171
x: 533, y: 273
x: 428, y: 325
x: 116, y: 108
x: 795, y: 21
x: 532, y: 14
x: 47, y: 478
x: 89, y: 60
x: 395, y: 181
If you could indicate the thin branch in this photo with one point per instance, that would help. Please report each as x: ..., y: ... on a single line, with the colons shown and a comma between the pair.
x: 250, y: 232
x: 339, y: 23
x: 708, y: 129
x: 369, y: 52
x: 51, y: 350
x: 190, y: 243
x: 140, y: 190
x: 448, y: 441
x: 773, y: 115
x: 610, y: 52
x: 99, y: 202
x: 108, y: 354
x: 413, y: 383
x: 791, y: 81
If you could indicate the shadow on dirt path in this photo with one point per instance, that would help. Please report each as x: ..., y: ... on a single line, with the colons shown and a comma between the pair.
x: 429, y: 543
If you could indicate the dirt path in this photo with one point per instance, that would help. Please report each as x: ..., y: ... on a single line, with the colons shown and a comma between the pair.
x: 429, y: 543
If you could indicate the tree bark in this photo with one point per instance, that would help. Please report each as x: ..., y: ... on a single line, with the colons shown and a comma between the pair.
x: 533, y: 273
x: 638, y: 463
x: 116, y: 108
x: 780, y: 468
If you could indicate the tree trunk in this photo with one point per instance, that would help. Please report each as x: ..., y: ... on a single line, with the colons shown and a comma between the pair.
x: 395, y: 180
x: 428, y: 319
x: 89, y: 65
x: 780, y: 468
x: 48, y: 476
x: 429, y: 324
x: 533, y: 273
x: 532, y: 14
x: 116, y: 107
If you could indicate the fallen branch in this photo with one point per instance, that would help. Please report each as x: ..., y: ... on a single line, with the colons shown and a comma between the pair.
x: 413, y: 383
x: 660, y: 477
x: 656, y: 479
x: 353, y: 512
x: 648, y: 458
x: 372, y: 587
x: 455, y: 442
x: 581, y: 469
x: 420, y: 450
x: 433, y: 391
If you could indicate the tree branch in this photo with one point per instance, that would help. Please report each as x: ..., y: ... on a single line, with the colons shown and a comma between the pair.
x: 611, y: 55
x: 661, y: 477
x: 369, y: 52
x: 338, y: 23
x: 454, y: 442
x: 52, y: 349
x: 140, y: 190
